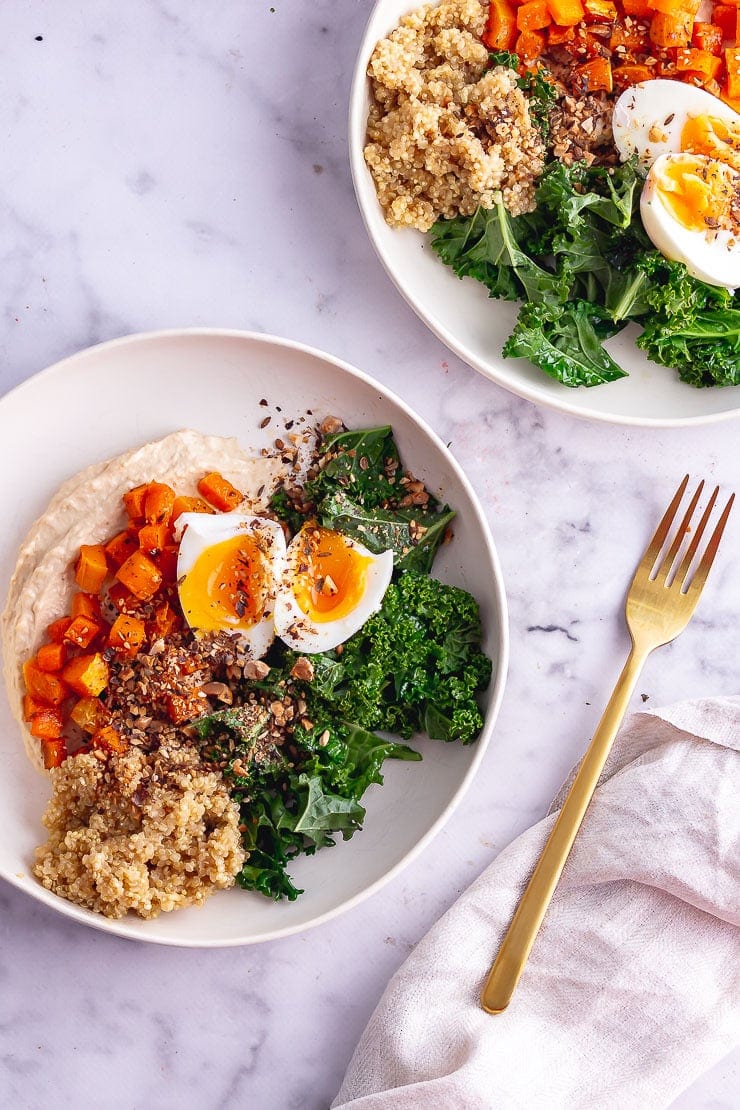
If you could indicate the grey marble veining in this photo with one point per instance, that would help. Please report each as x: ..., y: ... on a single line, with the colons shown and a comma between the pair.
x: 174, y: 164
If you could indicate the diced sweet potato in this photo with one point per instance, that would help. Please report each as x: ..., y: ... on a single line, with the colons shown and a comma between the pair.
x: 158, y: 503
x: 595, y: 75
x: 732, y: 61
x: 500, y: 31
x: 166, y: 560
x: 637, y: 8
x: 529, y: 45
x: 133, y: 501
x: 91, y: 568
x: 47, y: 688
x: 566, y: 13
x: 189, y: 505
x: 31, y: 705
x: 707, y: 36
x: 86, y: 605
x: 47, y: 724
x: 185, y: 707
x: 626, y: 75
x: 671, y: 30
x: 153, y: 537
x: 219, y: 492
x: 57, y: 629
x: 140, y: 575
x: 701, y: 62
x: 120, y: 547
x: 164, y: 623
x: 51, y: 657
x: 599, y: 11
x: 533, y: 15
x: 88, y: 675
x: 82, y: 631
x: 122, y: 599
x: 88, y: 714
x: 127, y: 635
x: 109, y: 739
x: 54, y: 753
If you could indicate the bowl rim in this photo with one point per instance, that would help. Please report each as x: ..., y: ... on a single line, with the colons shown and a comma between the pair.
x: 357, y: 125
x: 118, y: 927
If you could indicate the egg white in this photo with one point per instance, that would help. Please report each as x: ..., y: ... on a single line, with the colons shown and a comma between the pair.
x: 648, y: 118
x: 299, y: 631
x: 199, y: 531
x: 713, y: 258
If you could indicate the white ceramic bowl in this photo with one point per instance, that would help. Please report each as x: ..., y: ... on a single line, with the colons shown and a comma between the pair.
x: 475, y: 327
x: 108, y: 398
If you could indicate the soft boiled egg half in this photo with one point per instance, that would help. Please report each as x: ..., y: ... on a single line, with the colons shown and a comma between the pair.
x: 332, y: 584
x: 689, y: 143
x: 229, y: 567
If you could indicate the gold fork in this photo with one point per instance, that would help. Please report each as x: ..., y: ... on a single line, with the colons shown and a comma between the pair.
x: 660, y: 602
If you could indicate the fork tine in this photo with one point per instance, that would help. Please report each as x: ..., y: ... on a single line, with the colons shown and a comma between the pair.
x: 691, y: 550
x: 700, y: 576
x: 653, y: 549
x: 680, y: 535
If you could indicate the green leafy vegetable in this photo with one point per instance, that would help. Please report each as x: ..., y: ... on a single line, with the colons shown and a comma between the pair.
x: 584, y: 267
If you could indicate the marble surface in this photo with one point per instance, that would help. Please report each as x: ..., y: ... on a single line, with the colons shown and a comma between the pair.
x: 172, y: 164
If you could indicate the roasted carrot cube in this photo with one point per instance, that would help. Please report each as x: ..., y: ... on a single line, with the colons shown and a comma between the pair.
x: 51, y: 657
x: 47, y: 724
x: 120, y: 547
x: 88, y: 675
x: 91, y: 568
x: 140, y: 575
x: 533, y: 15
x: 109, y: 739
x: 707, y: 36
x: 47, y: 688
x: 88, y: 713
x: 133, y: 501
x: 54, y: 752
x: 82, y: 631
x: 190, y: 505
x: 87, y: 605
x: 219, y: 492
x: 671, y: 30
x: 31, y: 705
x: 158, y: 503
x: 185, y: 707
x: 127, y: 635
x: 57, y: 629
x: 153, y: 537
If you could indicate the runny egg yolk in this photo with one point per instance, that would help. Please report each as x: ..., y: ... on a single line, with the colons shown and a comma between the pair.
x: 329, y: 576
x: 226, y: 585
x: 700, y: 194
x: 713, y: 137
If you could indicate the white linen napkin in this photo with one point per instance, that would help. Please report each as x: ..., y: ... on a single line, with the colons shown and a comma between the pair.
x: 632, y: 989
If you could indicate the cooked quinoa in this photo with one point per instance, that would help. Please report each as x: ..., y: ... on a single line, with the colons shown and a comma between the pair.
x: 446, y: 134
x: 142, y: 832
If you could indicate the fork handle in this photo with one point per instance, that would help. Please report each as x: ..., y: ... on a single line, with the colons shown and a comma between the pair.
x: 521, y: 934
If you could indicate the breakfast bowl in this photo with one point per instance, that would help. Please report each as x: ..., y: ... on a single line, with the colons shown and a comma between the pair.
x: 475, y: 327
x: 226, y: 383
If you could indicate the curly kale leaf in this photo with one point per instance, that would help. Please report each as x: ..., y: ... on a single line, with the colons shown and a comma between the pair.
x: 419, y: 656
x: 564, y: 343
